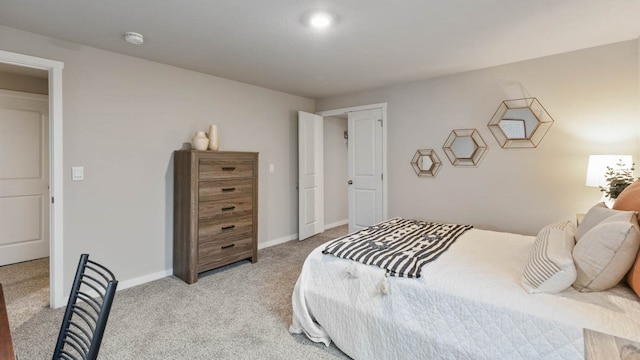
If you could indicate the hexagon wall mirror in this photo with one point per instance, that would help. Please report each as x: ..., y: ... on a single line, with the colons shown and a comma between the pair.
x: 426, y: 162
x: 465, y: 147
x: 520, y: 123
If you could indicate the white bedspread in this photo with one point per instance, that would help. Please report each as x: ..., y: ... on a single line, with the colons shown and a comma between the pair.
x: 468, y: 304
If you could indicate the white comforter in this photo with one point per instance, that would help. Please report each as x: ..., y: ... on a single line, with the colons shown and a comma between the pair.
x: 468, y: 304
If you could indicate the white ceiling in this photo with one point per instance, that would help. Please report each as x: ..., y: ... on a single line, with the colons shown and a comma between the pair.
x: 375, y: 42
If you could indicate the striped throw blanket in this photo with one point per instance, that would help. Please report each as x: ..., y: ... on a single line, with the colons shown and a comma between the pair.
x: 400, y: 246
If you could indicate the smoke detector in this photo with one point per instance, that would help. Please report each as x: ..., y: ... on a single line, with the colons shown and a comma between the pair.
x: 133, y: 38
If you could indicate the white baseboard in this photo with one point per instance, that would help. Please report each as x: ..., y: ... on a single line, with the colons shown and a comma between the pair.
x: 336, y: 224
x: 144, y: 279
x: 127, y: 284
x: 284, y: 239
x: 169, y: 272
x: 274, y: 242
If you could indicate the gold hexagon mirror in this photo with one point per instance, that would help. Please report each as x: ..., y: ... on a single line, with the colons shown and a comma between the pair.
x: 520, y: 123
x: 426, y: 162
x: 465, y: 147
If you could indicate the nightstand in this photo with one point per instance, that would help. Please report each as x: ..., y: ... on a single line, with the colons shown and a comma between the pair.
x: 600, y: 346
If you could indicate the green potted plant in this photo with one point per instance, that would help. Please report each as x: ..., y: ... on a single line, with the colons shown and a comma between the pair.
x: 618, y: 179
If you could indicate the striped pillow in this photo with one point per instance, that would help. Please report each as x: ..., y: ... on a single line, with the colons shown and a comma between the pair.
x: 550, y: 267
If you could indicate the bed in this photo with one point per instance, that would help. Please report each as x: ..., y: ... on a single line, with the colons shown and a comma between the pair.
x: 467, y: 304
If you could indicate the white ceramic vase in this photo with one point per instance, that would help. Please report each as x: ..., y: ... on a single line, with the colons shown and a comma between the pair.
x: 214, y: 143
x: 200, y: 141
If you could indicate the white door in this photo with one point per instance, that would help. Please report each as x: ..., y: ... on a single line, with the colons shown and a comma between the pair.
x: 310, y: 175
x: 365, y: 168
x: 24, y: 177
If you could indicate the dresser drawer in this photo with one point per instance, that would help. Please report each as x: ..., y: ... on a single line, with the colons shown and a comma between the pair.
x: 214, y: 254
x: 211, y: 211
x: 225, y: 169
x: 224, y: 189
x: 233, y: 228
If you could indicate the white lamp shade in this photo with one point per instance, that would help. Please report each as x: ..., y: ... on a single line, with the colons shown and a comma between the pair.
x: 597, y: 167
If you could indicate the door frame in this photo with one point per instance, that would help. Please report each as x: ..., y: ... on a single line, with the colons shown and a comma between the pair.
x: 383, y: 108
x: 56, y: 183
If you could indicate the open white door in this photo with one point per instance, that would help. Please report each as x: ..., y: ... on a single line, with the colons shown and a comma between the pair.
x: 310, y: 175
x: 365, y: 169
x: 24, y: 176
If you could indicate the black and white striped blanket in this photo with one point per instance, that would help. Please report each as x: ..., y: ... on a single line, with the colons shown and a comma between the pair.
x: 400, y: 246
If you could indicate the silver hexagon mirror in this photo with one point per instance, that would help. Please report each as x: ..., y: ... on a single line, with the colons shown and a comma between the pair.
x: 465, y: 147
x: 520, y: 123
x: 426, y: 162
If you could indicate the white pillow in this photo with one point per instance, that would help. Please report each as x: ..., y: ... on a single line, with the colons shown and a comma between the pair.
x: 550, y: 267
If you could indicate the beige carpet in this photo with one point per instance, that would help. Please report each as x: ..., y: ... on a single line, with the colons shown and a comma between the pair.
x: 26, y: 289
x: 241, y: 311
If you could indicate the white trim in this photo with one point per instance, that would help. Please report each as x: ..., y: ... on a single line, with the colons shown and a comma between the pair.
x: 131, y: 282
x: 385, y: 122
x: 56, y: 233
x: 336, y: 224
x: 284, y: 239
x: 144, y: 279
x: 347, y: 110
x: 274, y: 242
x: 56, y: 252
x: 638, y: 109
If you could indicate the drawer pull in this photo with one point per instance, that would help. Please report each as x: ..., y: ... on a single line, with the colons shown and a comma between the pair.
x: 227, y: 208
x: 228, y: 227
x: 228, y: 189
x: 228, y: 168
x: 228, y: 246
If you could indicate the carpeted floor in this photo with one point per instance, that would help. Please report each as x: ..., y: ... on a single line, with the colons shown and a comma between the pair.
x: 26, y: 289
x: 241, y: 311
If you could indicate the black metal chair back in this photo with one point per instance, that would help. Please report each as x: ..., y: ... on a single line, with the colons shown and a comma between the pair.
x: 87, y: 312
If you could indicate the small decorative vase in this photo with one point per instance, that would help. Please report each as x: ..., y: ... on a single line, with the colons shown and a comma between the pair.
x: 214, y: 144
x: 200, y: 141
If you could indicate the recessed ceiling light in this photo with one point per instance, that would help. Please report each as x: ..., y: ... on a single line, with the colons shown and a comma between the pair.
x: 133, y: 38
x: 320, y: 20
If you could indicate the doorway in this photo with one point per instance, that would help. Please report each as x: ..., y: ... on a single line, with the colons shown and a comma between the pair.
x: 367, y: 162
x: 55, y: 171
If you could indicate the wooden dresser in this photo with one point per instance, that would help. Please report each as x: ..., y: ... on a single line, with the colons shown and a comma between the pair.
x: 215, y: 207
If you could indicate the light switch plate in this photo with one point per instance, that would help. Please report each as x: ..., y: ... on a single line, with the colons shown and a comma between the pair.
x: 77, y: 173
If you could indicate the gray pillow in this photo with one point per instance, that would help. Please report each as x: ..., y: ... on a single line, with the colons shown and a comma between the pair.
x: 596, y: 215
x: 606, y: 252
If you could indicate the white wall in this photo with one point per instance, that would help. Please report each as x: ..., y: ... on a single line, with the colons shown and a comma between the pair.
x: 336, y: 204
x: 123, y: 118
x: 591, y: 94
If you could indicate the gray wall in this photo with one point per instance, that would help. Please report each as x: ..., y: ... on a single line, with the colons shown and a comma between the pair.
x: 336, y: 210
x: 123, y: 118
x: 24, y: 83
x: 591, y: 94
